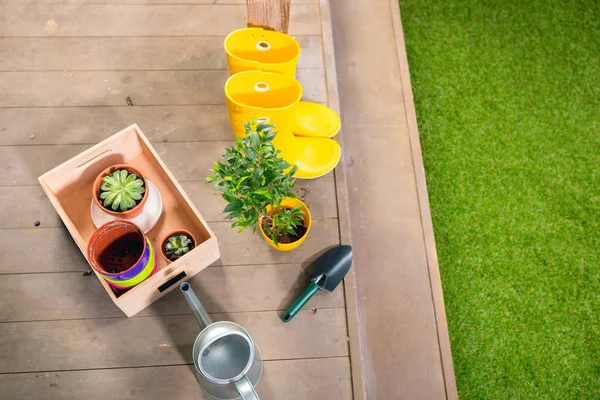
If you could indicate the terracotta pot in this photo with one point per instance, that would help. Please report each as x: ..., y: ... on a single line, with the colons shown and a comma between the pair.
x: 132, y: 213
x: 121, y: 253
x: 173, y: 233
x: 289, y: 203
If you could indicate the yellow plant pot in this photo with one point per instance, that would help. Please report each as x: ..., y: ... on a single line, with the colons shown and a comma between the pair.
x: 274, y: 98
x: 258, y: 49
x: 289, y: 203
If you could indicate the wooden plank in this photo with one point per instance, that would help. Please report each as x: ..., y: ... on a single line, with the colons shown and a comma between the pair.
x: 73, y: 295
x: 318, y: 194
x: 23, y: 164
x: 165, y: 340
x: 381, y: 102
x: 341, y: 185
x: 139, y: 20
x: 189, y: 161
x: 90, y: 125
x: 53, y: 249
x: 112, y: 88
x: 425, y: 211
x: 326, y: 378
x: 143, y: 2
x: 406, y: 363
x: 130, y: 53
x: 236, y: 247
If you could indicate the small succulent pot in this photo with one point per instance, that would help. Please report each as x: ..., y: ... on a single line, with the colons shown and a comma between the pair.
x: 173, y: 246
x: 97, y: 192
x: 289, y: 202
x: 122, y: 254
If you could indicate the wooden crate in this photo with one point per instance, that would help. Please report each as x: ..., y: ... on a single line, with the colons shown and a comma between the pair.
x: 69, y: 187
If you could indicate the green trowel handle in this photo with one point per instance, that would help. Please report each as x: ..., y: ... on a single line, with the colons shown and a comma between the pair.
x: 297, y: 305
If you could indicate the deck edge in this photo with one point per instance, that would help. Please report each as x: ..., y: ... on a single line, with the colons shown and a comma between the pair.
x: 423, y: 199
x: 341, y: 187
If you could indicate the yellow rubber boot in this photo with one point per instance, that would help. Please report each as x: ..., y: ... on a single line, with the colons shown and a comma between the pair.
x: 274, y: 98
x: 258, y: 49
x: 316, y: 120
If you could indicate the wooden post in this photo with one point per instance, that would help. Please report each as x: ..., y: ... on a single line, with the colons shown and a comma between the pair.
x: 269, y: 14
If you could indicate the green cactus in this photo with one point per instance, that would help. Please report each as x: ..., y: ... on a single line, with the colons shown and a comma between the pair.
x: 178, y: 246
x: 121, y: 189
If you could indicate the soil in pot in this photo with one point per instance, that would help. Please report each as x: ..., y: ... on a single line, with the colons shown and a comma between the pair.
x: 284, y: 238
x: 121, y: 254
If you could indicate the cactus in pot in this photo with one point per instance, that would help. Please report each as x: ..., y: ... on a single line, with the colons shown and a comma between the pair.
x: 177, y: 244
x: 120, y: 190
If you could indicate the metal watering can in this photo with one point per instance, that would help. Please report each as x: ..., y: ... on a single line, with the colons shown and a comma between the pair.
x: 228, y: 364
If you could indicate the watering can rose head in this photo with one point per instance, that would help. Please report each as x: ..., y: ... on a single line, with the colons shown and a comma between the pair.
x: 120, y: 190
x: 253, y: 177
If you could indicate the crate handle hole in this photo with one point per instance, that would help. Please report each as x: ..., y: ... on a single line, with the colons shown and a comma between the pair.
x: 94, y: 158
x: 171, y: 281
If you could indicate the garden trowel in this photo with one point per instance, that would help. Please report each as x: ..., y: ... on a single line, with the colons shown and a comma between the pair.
x: 326, y: 272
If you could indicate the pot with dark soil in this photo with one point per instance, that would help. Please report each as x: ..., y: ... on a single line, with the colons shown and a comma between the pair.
x: 121, y: 253
x: 177, y: 244
x: 286, y: 227
x: 121, y: 191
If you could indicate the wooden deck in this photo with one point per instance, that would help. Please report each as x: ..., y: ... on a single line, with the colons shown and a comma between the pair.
x: 67, y: 72
x: 403, y: 338
x: 68, y: 69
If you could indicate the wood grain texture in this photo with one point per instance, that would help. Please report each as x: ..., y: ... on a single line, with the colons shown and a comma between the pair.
x: 380, y: 102
x: 90, y: 125
x: 55, y: 250
x: 318, y: 194
x: 273, y: 15
x: 73, y: 295
x: 344, y: 220
x: 237, y: 247
x: 423, y: 197
x: 328, y: 379
x: 112, y: 88
x: 130, y: 53
x: 65, y: 54
x: 136, y: 342
x: 143, y: 2
x: 188, y: 161
x: 401, y: 347
x: 69, y: 20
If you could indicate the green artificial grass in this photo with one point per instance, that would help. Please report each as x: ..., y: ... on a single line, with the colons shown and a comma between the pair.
x: 508, y: 104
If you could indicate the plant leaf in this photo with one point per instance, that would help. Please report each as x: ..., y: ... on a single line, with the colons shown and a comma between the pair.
x: 235, y: 205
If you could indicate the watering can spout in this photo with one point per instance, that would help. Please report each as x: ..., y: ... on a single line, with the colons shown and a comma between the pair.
x: 195, y: 305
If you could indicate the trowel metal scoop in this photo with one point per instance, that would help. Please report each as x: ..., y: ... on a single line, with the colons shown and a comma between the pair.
x: 326, y: 272
x: 228, y: 363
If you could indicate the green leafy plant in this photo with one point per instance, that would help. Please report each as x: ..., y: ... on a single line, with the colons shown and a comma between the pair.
x: 178, y: 246
x: 121, y: 189
x: 252, y: 177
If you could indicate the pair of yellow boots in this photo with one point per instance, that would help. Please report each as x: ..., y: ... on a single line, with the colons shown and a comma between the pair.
x: 262, y: 65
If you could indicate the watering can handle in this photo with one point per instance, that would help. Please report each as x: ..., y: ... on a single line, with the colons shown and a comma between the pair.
x: 245, y: 389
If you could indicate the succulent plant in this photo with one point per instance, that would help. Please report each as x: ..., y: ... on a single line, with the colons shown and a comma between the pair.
x: 121, y: 189
x: 178, y: 246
